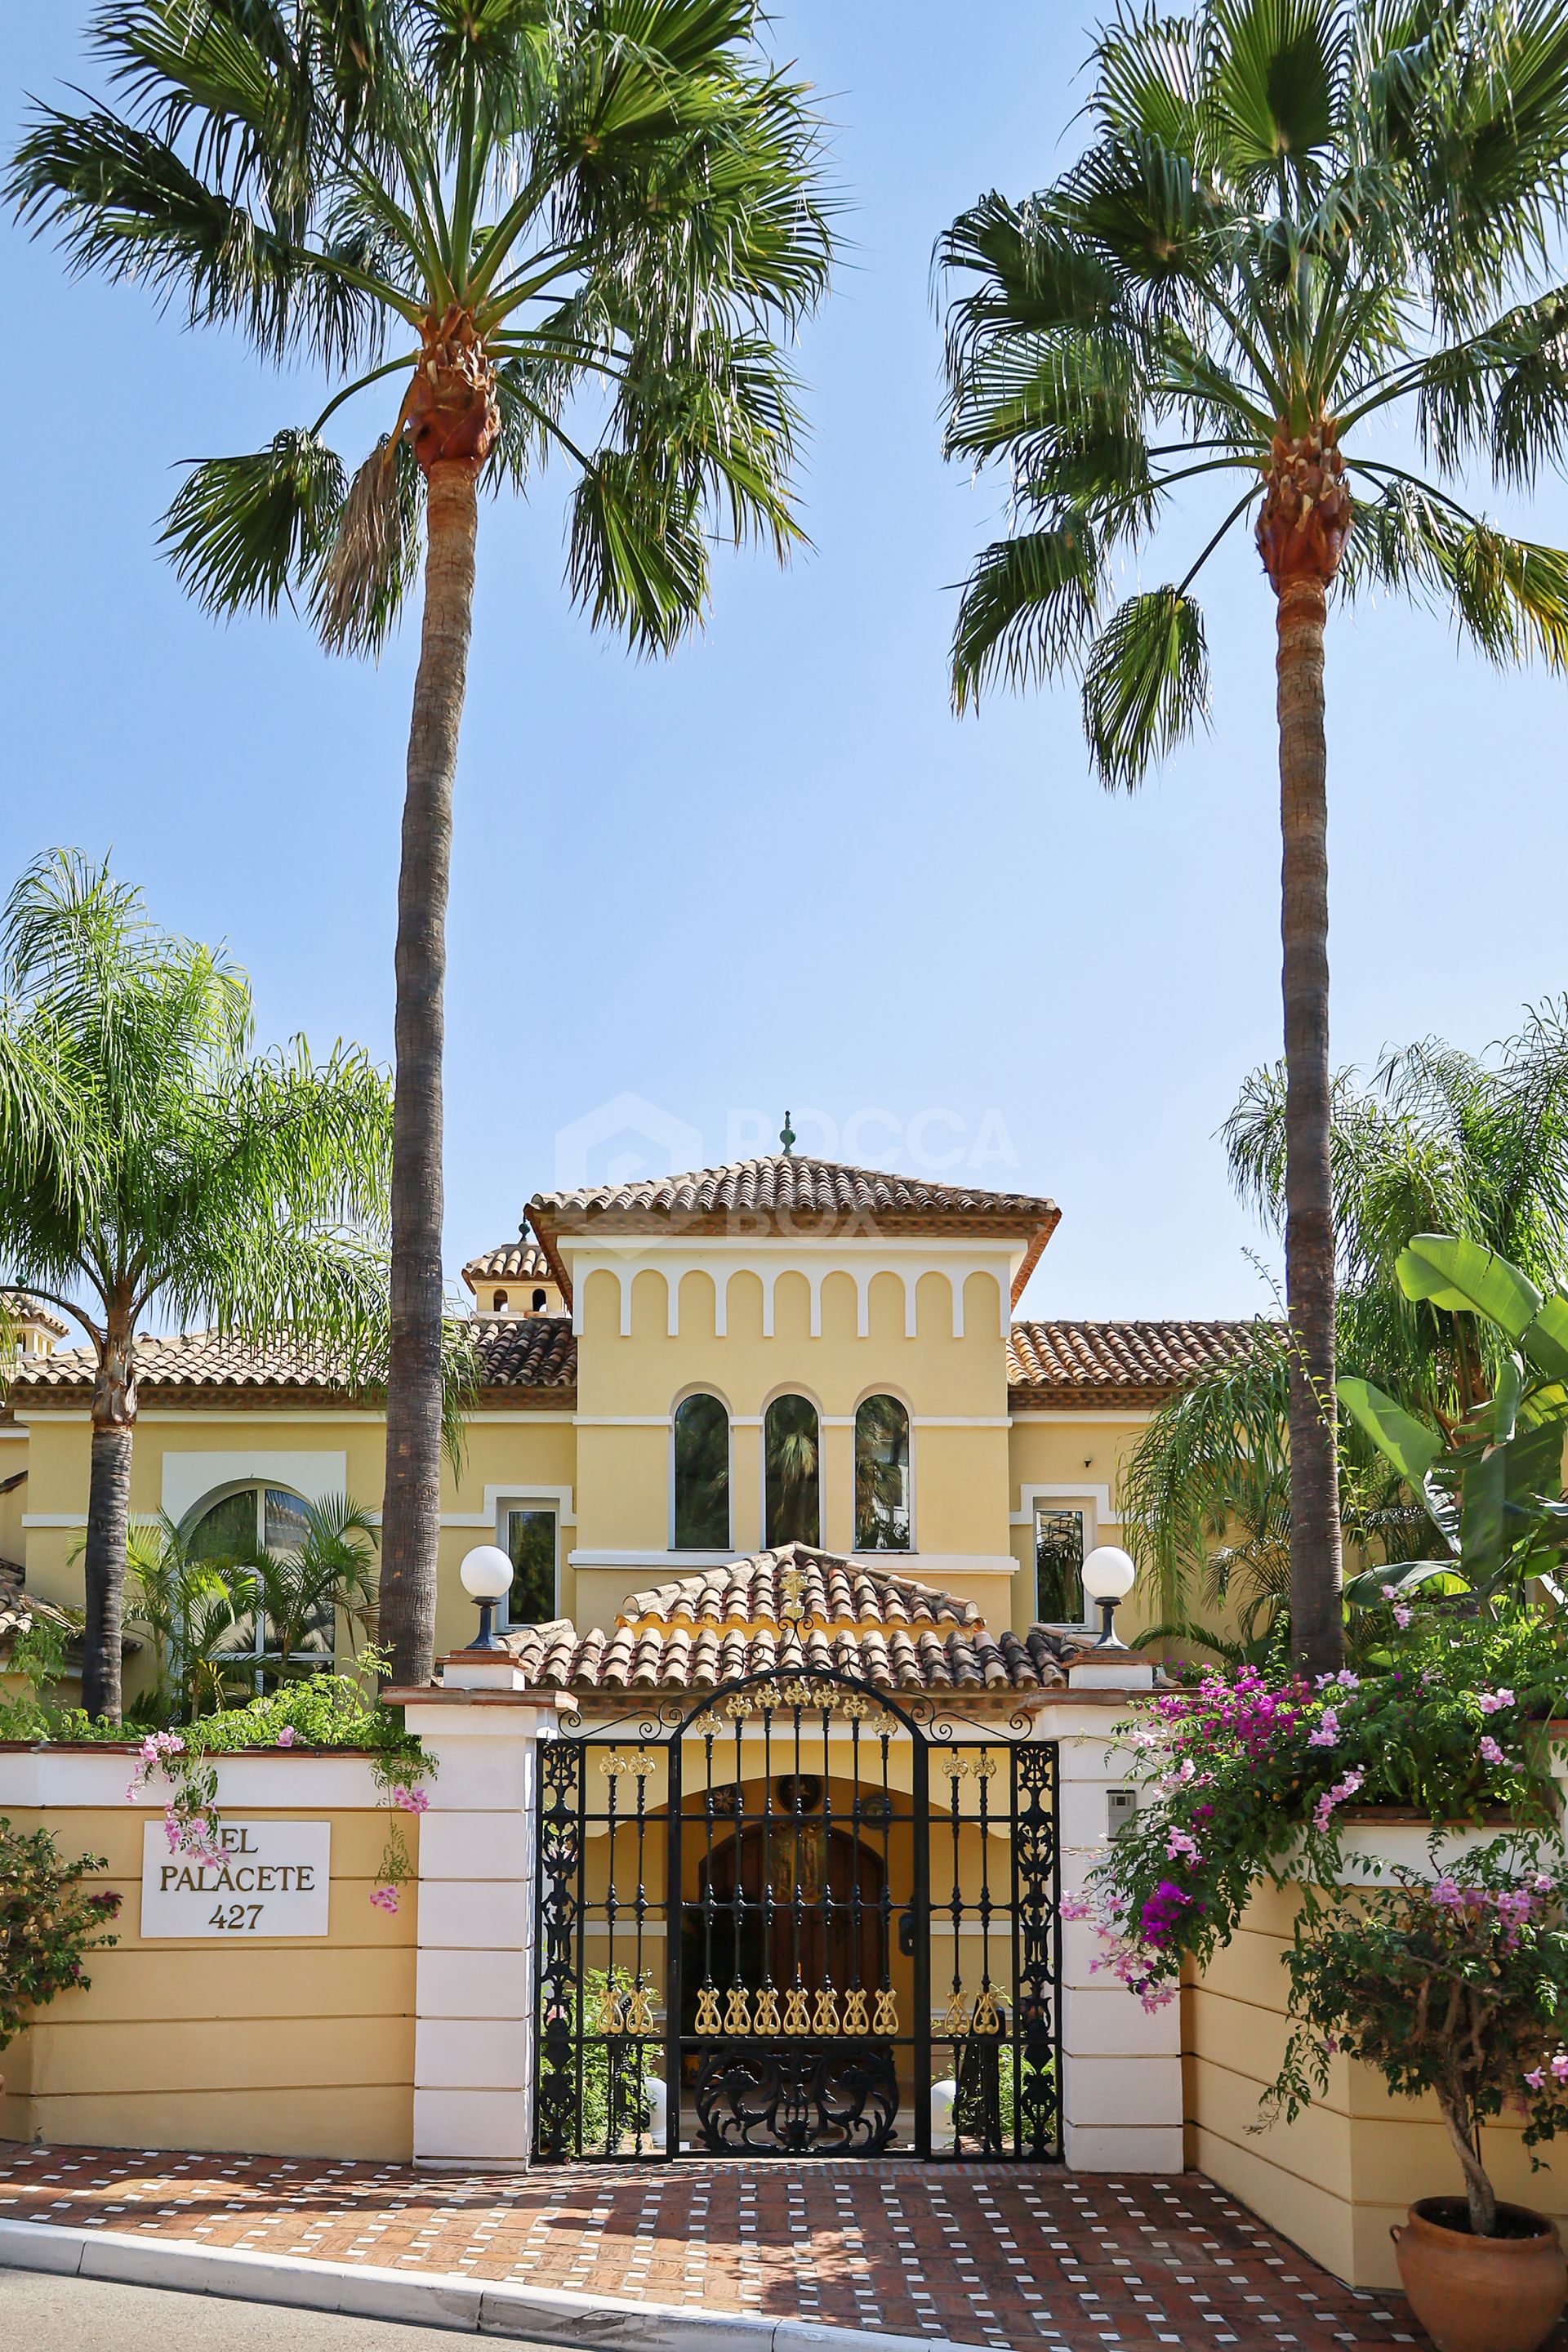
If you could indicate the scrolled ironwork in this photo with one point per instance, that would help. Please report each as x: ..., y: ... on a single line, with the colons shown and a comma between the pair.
x: 802, y: 2099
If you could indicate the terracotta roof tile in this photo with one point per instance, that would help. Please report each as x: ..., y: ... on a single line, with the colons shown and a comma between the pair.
x: 1064, y: 1363
x: 802, y: 1187
x: 529, y: 1351
x: 835, y: 1591
x: 894, y: 1633
x: 518, y: 1261
x: 24, y: 1309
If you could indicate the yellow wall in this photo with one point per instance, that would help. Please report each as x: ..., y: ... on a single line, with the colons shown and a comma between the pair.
x: 1337, y: 2179
x: 299, y: 2046
x: 1081, y: 1456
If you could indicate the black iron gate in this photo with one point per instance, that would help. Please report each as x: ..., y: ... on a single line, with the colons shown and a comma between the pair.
x: 798, y: 1917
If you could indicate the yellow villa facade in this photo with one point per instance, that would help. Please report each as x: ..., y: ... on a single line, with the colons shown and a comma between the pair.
x: 674, y: 1376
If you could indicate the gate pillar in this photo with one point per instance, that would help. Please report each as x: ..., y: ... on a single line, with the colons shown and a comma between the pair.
x: 476, y: 1999
x: 1122, y: 2066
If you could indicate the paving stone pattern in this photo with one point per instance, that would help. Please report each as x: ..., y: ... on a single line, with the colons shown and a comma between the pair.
x: 990, y: 2253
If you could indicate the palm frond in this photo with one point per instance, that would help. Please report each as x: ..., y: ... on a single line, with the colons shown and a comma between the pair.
x: 1028, y: 607
x: 1145, y: 684
x: 245, y: 532
x: 371, y: 561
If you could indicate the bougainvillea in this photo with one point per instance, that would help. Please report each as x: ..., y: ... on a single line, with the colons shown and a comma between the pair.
x: 1244, y: 1775
x: 49, y: 1922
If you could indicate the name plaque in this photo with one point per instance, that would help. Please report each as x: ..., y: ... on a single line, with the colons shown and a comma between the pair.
x: 274, y: 1880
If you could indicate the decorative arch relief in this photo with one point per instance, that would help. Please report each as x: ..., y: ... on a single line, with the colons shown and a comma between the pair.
x: 955, y: 1270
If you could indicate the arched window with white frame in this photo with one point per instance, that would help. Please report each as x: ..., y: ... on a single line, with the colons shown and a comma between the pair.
x: 791, y: 1467
x: 230, y: 1531
x: 701, y: 1472
x: 882, y: 1515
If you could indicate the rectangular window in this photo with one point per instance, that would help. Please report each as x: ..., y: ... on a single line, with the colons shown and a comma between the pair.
x: 530, y: 1547
x: 1058, y: 1565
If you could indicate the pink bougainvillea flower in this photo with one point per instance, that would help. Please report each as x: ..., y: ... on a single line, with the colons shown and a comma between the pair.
x: 1494, y: 1702
x: 1491, y: 1752
x: 413, y: 1801
x: 1328, y: 1731
x: 385, y: 1897
x: 1537, y: 2079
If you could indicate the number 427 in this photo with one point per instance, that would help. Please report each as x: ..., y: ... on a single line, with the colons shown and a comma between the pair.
x: 243, y: 1915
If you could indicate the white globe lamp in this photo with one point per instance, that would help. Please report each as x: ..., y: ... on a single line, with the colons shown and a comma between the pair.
x: 486, y: 1573
x: 1109, y: 1576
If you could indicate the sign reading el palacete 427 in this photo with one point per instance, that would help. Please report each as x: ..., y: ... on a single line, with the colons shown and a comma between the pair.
x: 274, y: 1879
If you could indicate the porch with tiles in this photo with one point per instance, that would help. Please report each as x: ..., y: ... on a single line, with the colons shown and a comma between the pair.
x: 1011, y: 2257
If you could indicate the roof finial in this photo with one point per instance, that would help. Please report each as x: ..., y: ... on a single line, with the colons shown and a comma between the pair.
x: 787, y: 1137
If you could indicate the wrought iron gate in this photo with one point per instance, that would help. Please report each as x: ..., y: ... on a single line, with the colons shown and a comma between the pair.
x: 772, y: 1922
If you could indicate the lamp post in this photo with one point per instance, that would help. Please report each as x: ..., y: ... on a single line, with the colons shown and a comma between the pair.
x: 487, y: 1575
x: 1109, y: 1576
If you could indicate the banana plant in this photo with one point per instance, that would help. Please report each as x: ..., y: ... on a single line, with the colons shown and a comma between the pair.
x: 1491, y: 1482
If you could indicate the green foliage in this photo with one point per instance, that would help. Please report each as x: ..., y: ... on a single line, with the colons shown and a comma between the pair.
x: 1437, y: 1140
x: 1245, y: 1776
x: 1287, y: 215
x: 49, y: 1922
x: 612, y: 2105
x: 1491, y: 1481
x: 622, y: 196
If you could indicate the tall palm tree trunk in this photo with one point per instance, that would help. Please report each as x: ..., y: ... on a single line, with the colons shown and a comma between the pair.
x: 411, y: 1508
x: 1316, y: 1575
x: 108, y: 1524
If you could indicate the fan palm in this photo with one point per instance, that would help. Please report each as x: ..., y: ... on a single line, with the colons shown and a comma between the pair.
x: 583, y: 225
x: 1306, y: 259
x: 149, y: 1165
x: 1438, y: 1140
x: 193, y: 1612
x: 301, y: 1592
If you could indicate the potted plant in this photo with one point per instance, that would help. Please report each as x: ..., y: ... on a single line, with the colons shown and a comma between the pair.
x: 1455, y: 1984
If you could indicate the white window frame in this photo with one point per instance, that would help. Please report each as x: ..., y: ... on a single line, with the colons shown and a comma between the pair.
x: 540, y: 1498
x: 701, y: 1388
x: 908, y: 1550
x: 319, y: 1660
x: 1093, y: 1502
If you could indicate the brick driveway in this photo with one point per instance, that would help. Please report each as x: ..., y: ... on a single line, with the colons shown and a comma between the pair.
x: 990, y: 2253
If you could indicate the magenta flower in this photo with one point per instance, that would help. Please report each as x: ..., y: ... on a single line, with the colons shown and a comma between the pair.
x: 413, y: 1801
x: 1491, y: 1752
x: 1446, y: 1896
x: 1493, y: 1701
x: 1559, y: 2067
x: 385, y: 1897
x: 1328, y: 1731
x: 1537, y: 2079
x: 288, y: 1736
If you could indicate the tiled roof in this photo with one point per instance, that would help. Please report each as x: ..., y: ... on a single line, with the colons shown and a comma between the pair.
x: 23, y: 1307
x: 20, y: 1610
x: 884, y: 1629
x: 808, y: 1194
x: 518, y: 1261
x: 1068, y: 1363
x: 681, y: 1658
x: 832, y: 1591
x: 533, y: 1351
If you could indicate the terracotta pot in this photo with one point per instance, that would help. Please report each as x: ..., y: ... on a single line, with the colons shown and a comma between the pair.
x: 1481, y: 2294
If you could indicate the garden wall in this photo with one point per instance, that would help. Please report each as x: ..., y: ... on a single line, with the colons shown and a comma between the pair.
x: 285, y: 2045
x: 1337, y: 2179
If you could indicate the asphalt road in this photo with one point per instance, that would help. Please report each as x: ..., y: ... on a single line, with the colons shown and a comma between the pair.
x: 39, y: 2313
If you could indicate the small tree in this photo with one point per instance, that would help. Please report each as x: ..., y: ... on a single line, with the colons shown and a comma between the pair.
x: 148, y: 1162
x: 1455, y: 1987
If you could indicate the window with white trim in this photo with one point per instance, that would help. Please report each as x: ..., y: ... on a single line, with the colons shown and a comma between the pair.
x: 1058, y: 1564
x: 881, y: 1476
x: 702, y: 1471
x: 231, y: 1530
x: 529, y: 1535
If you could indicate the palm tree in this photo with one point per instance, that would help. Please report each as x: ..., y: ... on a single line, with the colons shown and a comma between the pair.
x: 584, y: 224
x: 300, y: 1592
x: 150, y: 1166
x: 193, y: 1610
x: 1437, y: 1140
x: 1309, y: 248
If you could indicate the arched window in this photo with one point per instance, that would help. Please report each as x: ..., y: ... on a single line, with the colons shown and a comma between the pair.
x: 791, y: 1462
x: 498, y: 1302
x: 540, y: 1302
x: 881, y: 1476
x: 231, y: 1532
x: 702, y: 1475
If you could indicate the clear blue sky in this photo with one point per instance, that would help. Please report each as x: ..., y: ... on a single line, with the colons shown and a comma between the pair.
x: 774, y: 870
